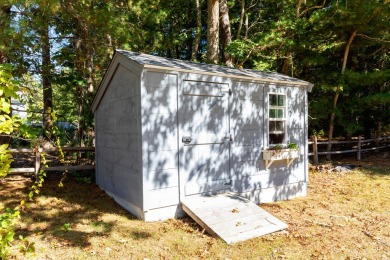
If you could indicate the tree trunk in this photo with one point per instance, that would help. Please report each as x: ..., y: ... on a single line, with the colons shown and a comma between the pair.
x: 5, y: 12
x: 382, y: 87
x: 298, y: 8
x: 212, y: 31
x: 242, y: 14
x: 195, y: 45
x: 226, y: 34
x: 345, y: 59
x: 246, y: 26
x: 84, y: 63
x: 46, y: 81
x: 84, y: 69
x: 287, y: 65
x: 337, y: 94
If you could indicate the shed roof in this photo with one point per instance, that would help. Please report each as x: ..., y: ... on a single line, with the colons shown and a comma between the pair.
x: 155, y: 61
x: 165, y: 64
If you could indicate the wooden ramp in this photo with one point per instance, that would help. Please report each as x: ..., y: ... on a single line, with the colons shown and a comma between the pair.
x: 231, y: 217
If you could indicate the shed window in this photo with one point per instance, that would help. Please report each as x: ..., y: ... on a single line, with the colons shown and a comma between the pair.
x: 277, y: 119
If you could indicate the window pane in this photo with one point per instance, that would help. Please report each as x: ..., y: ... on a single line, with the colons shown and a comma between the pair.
x: 280, y: 113
x: 273, y: 100
x: 276, y: 138
x: 276, y: 123
x: 271, y: 126
x: 279, y: 126
x: 281, y: 100
x: 272, y: 113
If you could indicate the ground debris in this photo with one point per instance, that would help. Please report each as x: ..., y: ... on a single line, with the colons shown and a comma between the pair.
x: 346, y: 218
x: 378, y: 239
x: 335, y: 168
x: 321, y: 224
x: 343, y: 216
x: 235, y: 210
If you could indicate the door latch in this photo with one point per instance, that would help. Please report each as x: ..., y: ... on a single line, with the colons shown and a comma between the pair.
x: 229, y: 137
x: 186, y: 139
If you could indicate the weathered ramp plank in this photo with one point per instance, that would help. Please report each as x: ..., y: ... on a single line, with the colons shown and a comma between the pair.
x: 231, y: 217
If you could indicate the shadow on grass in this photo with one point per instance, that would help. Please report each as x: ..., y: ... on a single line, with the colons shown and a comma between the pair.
x: 376, y: 171
x: 70, y: 215
x: 376, y: 165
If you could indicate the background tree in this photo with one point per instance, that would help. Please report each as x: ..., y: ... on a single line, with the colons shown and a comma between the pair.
x: 212, y: 31
x: 340, y: 46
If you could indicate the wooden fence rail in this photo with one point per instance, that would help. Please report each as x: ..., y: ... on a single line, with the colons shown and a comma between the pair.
x: 360, y: 147
x: 37, y: 164
x: 360, y: 143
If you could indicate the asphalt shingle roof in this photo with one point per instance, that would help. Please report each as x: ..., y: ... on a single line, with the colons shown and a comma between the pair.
x: 145, y: 59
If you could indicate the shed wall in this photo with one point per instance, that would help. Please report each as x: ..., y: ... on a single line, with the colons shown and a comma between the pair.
x: 139, y: 131
x: 118, y: 135
x: 160, y: 140
x: 249, y: 123
x: 247, y: 115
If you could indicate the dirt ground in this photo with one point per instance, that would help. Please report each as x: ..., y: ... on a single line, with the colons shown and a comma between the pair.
x: 344, y: 216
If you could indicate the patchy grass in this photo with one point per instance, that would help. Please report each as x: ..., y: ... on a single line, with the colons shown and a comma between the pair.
x: 345, y: 215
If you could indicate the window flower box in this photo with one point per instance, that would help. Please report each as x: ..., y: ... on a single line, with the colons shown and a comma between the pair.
x: 271, y: 155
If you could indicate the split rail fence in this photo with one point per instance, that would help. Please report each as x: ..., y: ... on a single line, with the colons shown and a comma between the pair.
x: 38, y: 163
x: 358, y: 146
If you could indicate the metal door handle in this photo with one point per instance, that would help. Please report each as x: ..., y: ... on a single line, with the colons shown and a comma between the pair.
x: 186, y: 139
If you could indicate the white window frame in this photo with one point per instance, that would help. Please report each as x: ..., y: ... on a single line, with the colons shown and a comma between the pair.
x: 274, y: 119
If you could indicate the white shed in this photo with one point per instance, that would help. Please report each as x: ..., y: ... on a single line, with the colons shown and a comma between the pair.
x: 168, y: 129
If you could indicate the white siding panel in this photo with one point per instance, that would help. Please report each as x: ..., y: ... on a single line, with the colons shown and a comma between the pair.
x: 117, y: 126
x: 266, y: 180
x: 252, y: 91
x: 245, y: 153
x: 109, y: 140
x: 127, y: 184
x: 159, y: 120
x: 161, y: 179
x: 160, y: 80
x: 248, y: 137
x: 107, y: 154
x: 296, y: 108
x: 163, y: 197
x: 127, y: 141
x: 124, y: 85
x: 162, y: 141
x: 241, y: 124
x: 127, y: 159
x: 241, y: 169
x: 104, y: 170
x: 207, y: 187
x: 254, y: 108
x: 204, y: 88
x: 160, y: 160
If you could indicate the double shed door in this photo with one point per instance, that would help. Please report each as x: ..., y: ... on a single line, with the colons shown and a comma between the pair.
x: 204, y: 138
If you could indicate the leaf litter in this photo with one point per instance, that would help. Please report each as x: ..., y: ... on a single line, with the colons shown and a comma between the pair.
x: 344, y: 215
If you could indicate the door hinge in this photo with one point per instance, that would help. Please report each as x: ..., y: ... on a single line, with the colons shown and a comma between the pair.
x: 229, y: 137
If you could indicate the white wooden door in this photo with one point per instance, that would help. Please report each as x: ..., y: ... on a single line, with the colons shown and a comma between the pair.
x: 204, y: 138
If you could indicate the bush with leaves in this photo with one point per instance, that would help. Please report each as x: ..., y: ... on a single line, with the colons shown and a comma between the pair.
x: 8, y: 123
x: 7, y: 223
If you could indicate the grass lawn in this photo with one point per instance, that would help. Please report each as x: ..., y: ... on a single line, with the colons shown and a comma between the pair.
x: 345, y: 215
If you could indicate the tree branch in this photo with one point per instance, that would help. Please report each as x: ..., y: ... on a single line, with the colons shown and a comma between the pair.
x: 372, y: 38
x: 16, y: 137
x: 312, y: 8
